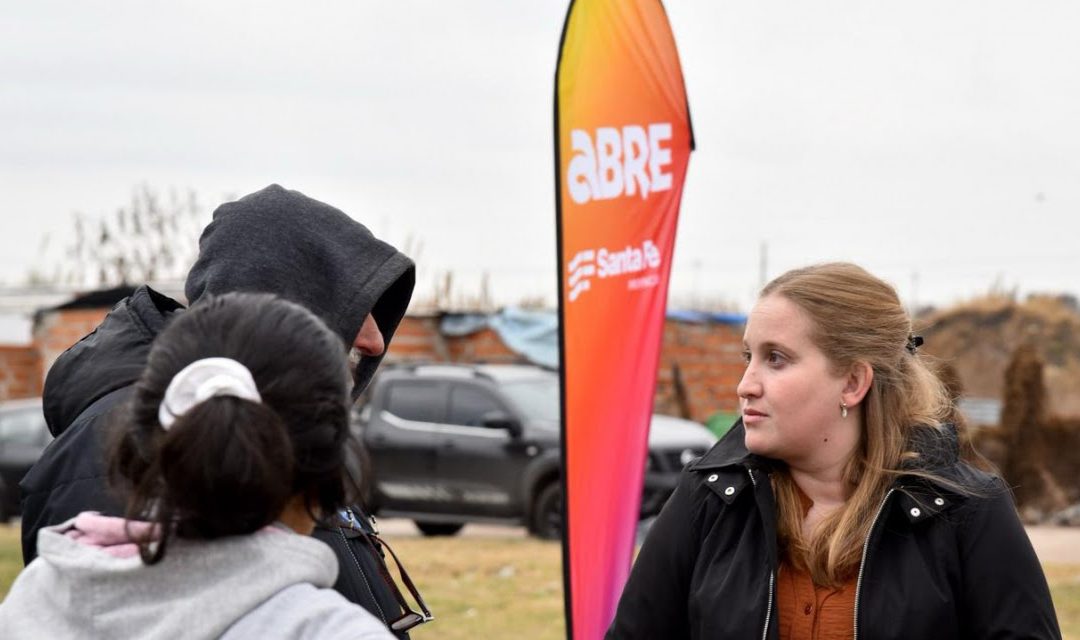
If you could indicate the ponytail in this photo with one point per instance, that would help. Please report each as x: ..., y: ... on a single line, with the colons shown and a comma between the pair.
x: 225, y: 450
x: 224, y: 468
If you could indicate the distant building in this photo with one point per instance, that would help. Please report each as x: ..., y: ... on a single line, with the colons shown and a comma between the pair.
x: 25, y: 360
x: 700, y: 360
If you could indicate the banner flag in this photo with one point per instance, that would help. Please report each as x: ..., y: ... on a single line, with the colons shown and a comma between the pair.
x: 622, y: 144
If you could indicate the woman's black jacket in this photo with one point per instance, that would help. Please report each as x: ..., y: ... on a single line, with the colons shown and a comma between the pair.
x: 937, y: 564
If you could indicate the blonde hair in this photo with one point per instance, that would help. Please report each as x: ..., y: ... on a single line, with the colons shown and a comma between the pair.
x: 857, y: 318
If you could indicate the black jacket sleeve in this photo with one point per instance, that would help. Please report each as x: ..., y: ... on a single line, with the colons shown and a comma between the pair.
x: 360, y: 579
x: 654, y: 603
x: 1005, y: 592
x: 70, y: 477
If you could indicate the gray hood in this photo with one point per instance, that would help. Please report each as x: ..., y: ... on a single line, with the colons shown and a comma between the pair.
x: 283, y: 242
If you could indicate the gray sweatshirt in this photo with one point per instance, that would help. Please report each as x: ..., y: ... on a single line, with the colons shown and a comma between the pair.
x: 270, y: 584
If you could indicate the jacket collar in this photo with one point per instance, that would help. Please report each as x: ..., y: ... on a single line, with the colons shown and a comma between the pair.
x: 939, y: 453
x: 938, y: 449
x: 725, y: 470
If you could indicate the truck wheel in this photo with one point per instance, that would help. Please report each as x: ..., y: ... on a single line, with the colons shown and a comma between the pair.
x: 546, y: 519
x: 438, y: 528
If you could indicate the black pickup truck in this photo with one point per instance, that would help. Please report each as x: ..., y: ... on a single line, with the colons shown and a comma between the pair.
x: 451, y: 444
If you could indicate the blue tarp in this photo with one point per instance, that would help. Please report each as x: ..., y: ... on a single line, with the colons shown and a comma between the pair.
x: 462, y: 324
x: 533, y: 334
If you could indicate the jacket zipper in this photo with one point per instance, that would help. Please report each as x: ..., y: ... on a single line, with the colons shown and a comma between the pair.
x: 353, y: 524
x: 772, y: 577
x: 862, y: 562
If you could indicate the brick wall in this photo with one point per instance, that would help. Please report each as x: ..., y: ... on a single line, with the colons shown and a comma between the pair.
x: 417, y: 339
x: 23, y: 367
x: 482, y: 346
x: 20, y: 372
x: 700, y: 364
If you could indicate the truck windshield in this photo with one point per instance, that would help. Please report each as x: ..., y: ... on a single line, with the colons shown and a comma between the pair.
x: 538, y: 398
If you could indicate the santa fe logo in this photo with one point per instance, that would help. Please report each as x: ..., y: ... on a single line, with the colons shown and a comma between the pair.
x: 605, y: 263
x: 626, y: 162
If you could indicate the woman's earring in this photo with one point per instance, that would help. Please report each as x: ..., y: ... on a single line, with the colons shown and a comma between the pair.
x: 843, y: 409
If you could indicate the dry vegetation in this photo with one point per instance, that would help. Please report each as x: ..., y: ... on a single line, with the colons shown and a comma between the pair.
x: 979, y: 337
x: 512, y: 587
x: 1035, y: 452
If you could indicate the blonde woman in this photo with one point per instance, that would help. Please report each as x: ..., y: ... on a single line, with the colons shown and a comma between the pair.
x: 838, y: 506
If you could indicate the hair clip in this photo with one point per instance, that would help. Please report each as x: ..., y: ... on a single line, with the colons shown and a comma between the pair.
x: 913, y: 343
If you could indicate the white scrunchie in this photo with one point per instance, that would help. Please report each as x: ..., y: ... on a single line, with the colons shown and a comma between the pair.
x: 205, y: 379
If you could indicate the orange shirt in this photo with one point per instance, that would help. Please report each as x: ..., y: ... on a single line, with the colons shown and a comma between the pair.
x: 809, y: 612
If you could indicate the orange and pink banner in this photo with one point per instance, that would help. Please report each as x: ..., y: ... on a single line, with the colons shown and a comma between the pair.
x: 622, y: 144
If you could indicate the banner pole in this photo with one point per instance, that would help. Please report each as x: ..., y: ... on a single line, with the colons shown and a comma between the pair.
x: 568, y: 609
x: 622, y: 146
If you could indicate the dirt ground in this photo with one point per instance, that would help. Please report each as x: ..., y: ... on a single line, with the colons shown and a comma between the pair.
x: 1054, y: 545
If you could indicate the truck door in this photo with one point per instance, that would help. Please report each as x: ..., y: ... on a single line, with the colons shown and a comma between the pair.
x: 402, y: 439
x: 480, y: 466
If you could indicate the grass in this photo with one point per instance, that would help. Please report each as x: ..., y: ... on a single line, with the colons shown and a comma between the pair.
x: 487, y: 588
x: 512, y: 587
x: 1065, y: 587
x: 10, y: 557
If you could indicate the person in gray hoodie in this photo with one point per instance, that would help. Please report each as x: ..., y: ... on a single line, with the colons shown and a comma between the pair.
x: 234, y: 446
x: 275, y: 241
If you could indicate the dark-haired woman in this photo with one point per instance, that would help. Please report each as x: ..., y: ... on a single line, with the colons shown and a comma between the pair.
x: 837, y: 507
x: 233, y: 448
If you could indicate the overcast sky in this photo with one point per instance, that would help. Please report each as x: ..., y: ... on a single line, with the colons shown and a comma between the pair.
x: 936, y: 143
